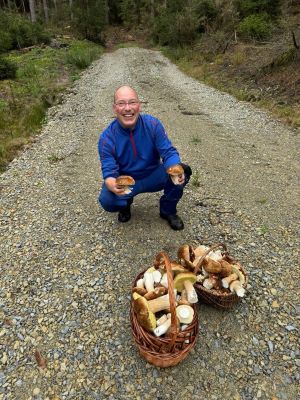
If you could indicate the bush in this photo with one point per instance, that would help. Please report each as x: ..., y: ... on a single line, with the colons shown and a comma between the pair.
x: 82, y: 55
x: 255, y: 27
x: 8, y: 69
x: 250, y: 7
x: 175, y: 29
x: 17, y: 32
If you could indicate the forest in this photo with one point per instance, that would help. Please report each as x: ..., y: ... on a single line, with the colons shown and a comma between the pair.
x: 249, y: 48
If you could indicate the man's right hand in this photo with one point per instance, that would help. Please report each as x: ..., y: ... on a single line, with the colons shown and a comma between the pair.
x: 113, y: 187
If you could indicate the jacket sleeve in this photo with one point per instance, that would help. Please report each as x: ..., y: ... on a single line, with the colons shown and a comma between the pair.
x: 108, y: 161
x: 167, y: 151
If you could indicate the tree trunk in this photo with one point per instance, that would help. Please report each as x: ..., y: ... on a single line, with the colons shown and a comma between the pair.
x: 32, y: 10
x: 71, y: 9
x: 45, y: 6
x: 152, y: 9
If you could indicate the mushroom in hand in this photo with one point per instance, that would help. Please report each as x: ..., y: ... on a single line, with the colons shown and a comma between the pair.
x: 176, y: 173
x: 124, y: 182
x: 186, y: 281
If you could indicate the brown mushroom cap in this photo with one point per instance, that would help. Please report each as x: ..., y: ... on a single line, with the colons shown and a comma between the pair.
x: 184, y: 276
x: 145, y: 317
x: 125, y: 180
x: 175, y: 170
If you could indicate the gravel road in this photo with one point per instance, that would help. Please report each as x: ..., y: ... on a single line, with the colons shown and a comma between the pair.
x: 67, y: 266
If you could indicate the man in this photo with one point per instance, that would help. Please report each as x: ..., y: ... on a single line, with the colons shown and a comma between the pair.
x: 137, y: 145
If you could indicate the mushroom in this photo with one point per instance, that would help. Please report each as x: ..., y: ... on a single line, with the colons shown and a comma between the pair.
x: 145, y: 317
x: 149, y: 281
x: 157, y: 292
x: 156, y: 276
x: 164, y: 280
x: 143, y: 305
x: 176, y: 173
x: 210, y: 282
x: 211, y: 266
x: 228, y: 279
x: 183, y: 298
x: 161, y: 320
x: 185, y: 314
x: 140, y: 283
x: 186, y: 256
x: 186, y: 281
x: 236, y: 287
x: 236, y: 270
x: 226, y: 269
x: 140, y: 290
x: 124, y: 182
x: 164, y: 327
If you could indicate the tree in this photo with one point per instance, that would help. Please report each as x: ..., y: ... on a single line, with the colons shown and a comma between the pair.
x: 32, y: 10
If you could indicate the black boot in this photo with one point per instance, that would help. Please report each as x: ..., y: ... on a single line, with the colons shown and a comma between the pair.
x: 125, y: 213
x: 174, y: 221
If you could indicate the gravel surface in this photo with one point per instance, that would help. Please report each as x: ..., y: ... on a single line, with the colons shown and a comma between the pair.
x: 67, y: 266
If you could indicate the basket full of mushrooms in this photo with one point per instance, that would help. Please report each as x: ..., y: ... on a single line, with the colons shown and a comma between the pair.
x: 221, y: 280
x: 163, y: 316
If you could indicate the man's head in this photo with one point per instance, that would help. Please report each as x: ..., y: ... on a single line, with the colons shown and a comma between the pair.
x: 126, y: 106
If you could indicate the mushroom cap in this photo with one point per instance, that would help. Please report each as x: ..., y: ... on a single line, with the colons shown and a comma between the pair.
x: 125, y: 180
x: 184, y: 276
x: 175, y: 170
x: 185, y: 314
x: 157, y: 292
x: 145, y: 317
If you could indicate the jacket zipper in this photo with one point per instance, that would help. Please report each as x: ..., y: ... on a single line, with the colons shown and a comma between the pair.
x: 133, y: 144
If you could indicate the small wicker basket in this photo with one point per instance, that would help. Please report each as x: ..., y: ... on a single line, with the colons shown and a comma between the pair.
x: 169, y: 350
x: 219, y: 299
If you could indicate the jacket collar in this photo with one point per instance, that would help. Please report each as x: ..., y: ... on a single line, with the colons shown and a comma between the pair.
x: 128, y: 130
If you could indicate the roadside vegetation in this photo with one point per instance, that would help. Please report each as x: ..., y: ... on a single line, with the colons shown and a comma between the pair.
x: 249, y: 48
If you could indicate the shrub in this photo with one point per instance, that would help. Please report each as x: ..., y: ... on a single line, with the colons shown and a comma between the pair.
x: 82, y: 55
x: 255, y: 27
x: 8, y: 69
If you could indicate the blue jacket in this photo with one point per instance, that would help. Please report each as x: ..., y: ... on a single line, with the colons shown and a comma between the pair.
x: 135, y: 152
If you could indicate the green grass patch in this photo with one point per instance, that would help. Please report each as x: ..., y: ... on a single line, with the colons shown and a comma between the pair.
x: 195, y: 179
x: 42, y: 74
x: 127, y: 44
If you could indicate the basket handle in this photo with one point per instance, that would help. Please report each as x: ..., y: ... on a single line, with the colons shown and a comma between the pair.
x: 213, y: 247
x: 173, y: 328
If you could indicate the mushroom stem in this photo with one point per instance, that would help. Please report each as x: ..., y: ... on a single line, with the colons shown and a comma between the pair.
x: 190, y: 291
x: 149, y: 281
x: 159, y: 304
x: 226, y: 281
x: 162, y: 329
x: 236, y: 287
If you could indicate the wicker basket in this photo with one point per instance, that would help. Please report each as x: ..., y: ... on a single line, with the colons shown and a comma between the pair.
x: 169, y: 350
x: 222, y: 300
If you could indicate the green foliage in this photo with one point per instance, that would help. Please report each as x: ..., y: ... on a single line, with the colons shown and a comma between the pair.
x: 8, y: 69
x: 206, y: 12
x: 90, y: 18
x: 175, y: 29
x: 17, y: 32
x: 82, y: 54
x: 255, y: 27
x: 249, y: 7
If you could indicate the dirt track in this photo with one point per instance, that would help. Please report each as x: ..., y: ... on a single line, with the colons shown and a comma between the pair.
x: 67, y: 266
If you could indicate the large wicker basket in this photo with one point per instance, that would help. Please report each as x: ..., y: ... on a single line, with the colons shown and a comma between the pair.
x: 222, y: 300
x: 164, y: 351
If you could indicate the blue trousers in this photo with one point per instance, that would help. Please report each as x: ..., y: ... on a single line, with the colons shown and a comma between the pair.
x: 156, y: 181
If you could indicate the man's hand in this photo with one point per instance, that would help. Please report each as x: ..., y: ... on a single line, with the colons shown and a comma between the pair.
x: 113, y: 187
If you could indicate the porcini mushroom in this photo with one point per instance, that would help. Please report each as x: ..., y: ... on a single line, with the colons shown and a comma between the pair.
x: 157, y: 292
x: 185, y: 314
x: 145, y: 317
x: 228, y: 279
x: 176, y: 173
x: 149, y: 281
x: 125, y: 182
x: 155, y: 305
x: 186, y: 281
x: 236, y: 287
x: 186, y: 256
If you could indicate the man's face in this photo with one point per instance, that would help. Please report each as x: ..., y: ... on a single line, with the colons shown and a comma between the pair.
x: 127, y: 107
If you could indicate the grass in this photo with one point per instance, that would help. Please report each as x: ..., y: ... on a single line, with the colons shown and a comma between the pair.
x: 195, y: 179
x: 195, y: 65
x: 196, y: 140
x: 262, y: 230
x: 43, y: 73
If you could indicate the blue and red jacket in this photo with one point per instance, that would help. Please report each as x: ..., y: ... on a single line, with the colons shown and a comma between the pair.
x: 136, y: 152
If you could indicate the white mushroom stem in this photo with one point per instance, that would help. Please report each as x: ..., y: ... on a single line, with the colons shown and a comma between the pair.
x: 190, y: 291
x: 140, y: 283
x: 205, y: 273
x: 226, y: 281
x: 162, y: 329
x: 236, y: 287
x: 215, y: 255
x: 209, y: 283
x: 164, y: 280
x: 156, y: 276
x: 200, y: 278
x: 241, y: 276
x: 148, y: 281
x: 161, y: 320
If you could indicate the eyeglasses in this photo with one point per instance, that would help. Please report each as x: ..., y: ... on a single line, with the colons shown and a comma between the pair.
x: 131, y: 103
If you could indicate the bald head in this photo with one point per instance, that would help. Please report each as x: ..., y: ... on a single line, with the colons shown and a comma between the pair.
x: 125, y: 90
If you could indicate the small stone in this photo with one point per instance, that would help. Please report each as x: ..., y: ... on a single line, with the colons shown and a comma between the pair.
x: 273, y: 291
x: 275, y: 304
x: 36, y: 391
